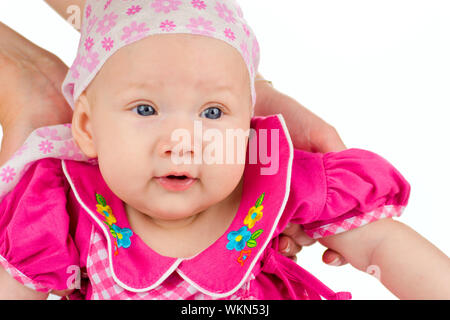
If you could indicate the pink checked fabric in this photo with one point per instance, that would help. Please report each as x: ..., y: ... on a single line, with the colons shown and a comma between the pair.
x: 325, y: 193
x: 19, y: 276
x: 111, y: 24
x: 337, y: 227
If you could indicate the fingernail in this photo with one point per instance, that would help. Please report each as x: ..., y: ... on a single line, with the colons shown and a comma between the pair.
x: 286, y: 250
x: 336, y: 262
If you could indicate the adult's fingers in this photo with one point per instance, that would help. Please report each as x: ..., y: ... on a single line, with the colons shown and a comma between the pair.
x: 333, y: 258
x: 288, y: 247
x: 298, y: 235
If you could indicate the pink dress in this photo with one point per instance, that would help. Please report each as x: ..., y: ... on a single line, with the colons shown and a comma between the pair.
x: 62, y: 227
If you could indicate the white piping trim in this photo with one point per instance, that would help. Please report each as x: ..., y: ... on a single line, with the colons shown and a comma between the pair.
x: 83, y: 205
x: 274, y: 226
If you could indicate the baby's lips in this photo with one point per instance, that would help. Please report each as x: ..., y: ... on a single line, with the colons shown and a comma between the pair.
x: 176, y: 182
x: 178, y: 174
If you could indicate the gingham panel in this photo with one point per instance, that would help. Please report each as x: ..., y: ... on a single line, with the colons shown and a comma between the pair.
x: 23, y: 279
x: 355, y: 222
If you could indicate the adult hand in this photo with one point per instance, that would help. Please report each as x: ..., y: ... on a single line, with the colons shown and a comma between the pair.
x: 30, y: 90
x: 309, y: 133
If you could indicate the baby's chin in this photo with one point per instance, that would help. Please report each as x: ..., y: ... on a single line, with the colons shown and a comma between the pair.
x: 172, y: 211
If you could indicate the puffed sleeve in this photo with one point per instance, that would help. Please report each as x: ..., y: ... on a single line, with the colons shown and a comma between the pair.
x: 35, y: 244
x: 339, y: 191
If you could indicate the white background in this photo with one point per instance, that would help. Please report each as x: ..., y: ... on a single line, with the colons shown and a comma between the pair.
x: 378, y: 71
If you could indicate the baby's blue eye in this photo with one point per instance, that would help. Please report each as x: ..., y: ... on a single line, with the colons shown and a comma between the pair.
x: 145, y: 110
x: 212, y: 113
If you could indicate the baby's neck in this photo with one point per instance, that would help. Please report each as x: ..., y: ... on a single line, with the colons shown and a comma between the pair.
x: 186, y: 237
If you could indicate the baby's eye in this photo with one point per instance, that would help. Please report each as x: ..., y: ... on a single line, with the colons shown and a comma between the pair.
x: 212, y: 113
x: 144, y: 110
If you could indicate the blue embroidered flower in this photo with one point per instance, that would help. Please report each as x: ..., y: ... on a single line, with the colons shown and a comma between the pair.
x: 122, y: 236
x: 238, y: 239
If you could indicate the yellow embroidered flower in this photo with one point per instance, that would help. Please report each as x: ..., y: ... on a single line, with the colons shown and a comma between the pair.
x: 253, y: 215
x: 106, y: 211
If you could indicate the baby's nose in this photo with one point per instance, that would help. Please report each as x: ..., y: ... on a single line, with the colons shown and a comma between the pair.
x: 171, y: 149
x: 180, y: 140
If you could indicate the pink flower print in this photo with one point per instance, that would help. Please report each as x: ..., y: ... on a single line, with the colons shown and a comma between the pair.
x: 91, y: 23
x: 106, y: 24
x: 107, y: 4
x: 20, y: 151
x: 133, y: 10
x: 90, y: 61
x: 159, y: 5
x: 108, y: 43
x: 71, y: 151
x: 246, y: 56
x: 255, y: 51
x: 67, y: 125
x: 245, y: 53
x: 74, y: 68
x: 246, y: 30
x: 88, y: 11
x: 8, y: 174
x: 75, y: 72
x: 196, y: 24
x: 198, y: 4
x: 46, y: 146
x: 167, y: 26
x: 128, y: 32
x: 239, y: 11
x: 48, y: 133
x: 71, y: 87
x: 225, y: 13
x: 229, y: 34
x: 88, y: 43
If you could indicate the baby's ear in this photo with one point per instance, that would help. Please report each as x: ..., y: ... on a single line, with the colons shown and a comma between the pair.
x: 82, y: 126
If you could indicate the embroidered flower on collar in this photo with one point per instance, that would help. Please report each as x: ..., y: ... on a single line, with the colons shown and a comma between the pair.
x: 243, y: 237
x: 106, y: 211
x: 255, y: 213
x: 244, y: 254
x: 122, y: 235
x: 238, y: 239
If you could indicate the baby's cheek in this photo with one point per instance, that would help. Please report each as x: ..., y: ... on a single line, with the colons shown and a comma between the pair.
x: 225, y: 177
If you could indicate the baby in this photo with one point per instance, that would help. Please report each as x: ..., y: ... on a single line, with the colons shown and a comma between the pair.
x: 145, y: 195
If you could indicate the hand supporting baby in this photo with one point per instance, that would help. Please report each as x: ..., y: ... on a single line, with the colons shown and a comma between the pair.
x: 30, y: 94
x: 30, y: 97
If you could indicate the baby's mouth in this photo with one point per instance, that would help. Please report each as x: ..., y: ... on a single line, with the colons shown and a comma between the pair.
x: 177, y: 177
x: 176, y: 181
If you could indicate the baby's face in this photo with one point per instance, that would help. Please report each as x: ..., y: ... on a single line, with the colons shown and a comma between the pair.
x: 142, y: 95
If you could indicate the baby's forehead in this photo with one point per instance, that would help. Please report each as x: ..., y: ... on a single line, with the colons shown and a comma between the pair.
x: 183, y: 57
x: 174, y: 48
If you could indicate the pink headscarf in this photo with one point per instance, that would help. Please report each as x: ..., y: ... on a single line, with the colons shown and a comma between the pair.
x: 109, y: 25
